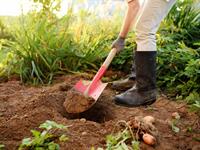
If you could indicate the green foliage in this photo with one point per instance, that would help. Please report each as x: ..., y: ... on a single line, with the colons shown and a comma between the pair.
x: 178, y: 70
x: 119, y: 141
x: 136, y: 145
x: 2, y: 147
x: 184, y: 22
x: 174, y: 126
x: 5, y: 37
x: 175, y: 120
x: 48, y: 46
x: 49, y: 6
x: 45, y: 140
x: 194, y: 100
x: 4, y: 31
x: 48, y: 125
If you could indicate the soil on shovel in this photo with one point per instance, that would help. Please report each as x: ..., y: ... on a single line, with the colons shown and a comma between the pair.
x: 76, y: 102
x: 23, y: 108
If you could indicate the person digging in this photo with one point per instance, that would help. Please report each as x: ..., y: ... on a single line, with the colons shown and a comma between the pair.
x: 142, y: 81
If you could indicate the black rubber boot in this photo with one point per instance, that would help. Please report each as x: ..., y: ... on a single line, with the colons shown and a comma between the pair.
x: 128, y: 82
x: 144, y: 90
x: 124, y: 84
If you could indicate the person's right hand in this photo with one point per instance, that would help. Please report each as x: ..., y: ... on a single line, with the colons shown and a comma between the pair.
x: 119, y: 44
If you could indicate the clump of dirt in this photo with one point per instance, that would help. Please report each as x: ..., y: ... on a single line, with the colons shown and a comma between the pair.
x: 65, y: 87
x: 76, y: 102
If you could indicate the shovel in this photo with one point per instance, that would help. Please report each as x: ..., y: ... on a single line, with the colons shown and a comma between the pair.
x: 95, y: 87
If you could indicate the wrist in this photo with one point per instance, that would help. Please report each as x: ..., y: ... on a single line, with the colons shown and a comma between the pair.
x: 129, y: 1
x: 122, y: 37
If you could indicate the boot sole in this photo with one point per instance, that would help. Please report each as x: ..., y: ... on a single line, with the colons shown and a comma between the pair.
x: 144, y: 104
x: 122, y: 86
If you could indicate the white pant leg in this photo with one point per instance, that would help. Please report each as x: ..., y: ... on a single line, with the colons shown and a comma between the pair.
x: 148, y: 23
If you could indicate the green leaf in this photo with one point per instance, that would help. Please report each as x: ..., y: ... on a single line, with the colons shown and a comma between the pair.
x: 51, y: 124
x: 35, y: 133
x: 175, y: 129
x: 124, y: 146
x: 53, y: 146
x: 40, y: 148
x: 111, y: 140
x: 126, y: 134
x: 27, y: 142
x: 63, y: 138
x: 194, y: 96
x: 189, y: 129
x: 2, y: 146
x: 197, y: 104
x: 136, y: 145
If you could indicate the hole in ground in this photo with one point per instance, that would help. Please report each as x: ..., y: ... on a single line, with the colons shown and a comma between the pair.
x: 99, y: 113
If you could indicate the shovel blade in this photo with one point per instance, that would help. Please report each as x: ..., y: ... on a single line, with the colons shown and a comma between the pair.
x: 95, y: 92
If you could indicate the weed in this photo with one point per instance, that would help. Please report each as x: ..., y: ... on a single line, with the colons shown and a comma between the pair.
x: 174, y: 122
x: 174, y: 127
x: 189, y: 129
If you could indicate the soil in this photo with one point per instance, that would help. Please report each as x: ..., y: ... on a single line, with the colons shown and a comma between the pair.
x: 76, y: 102
x: 23, y: 108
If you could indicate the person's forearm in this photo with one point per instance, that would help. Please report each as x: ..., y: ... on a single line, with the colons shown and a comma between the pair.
x: 133, y: 8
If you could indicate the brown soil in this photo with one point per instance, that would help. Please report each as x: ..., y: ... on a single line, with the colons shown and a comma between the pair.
x: 23, y: 108
x: 76, y: 102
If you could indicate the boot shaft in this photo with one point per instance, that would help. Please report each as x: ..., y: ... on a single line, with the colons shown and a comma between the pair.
x: 145, y: 62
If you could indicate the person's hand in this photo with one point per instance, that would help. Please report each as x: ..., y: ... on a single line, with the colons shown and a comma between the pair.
x: 119, y: 44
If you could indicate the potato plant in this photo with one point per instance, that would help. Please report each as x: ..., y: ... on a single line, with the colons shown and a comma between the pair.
x: 46, y: 139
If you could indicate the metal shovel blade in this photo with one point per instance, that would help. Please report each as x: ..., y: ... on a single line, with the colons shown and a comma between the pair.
x: 94, y: 92
x: 95, y: 87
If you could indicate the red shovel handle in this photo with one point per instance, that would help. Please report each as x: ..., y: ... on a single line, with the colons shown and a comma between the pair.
x: 101, y: 71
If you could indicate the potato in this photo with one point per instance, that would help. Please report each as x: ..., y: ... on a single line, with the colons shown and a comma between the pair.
x: 149, y: 119
x: 149, y: 139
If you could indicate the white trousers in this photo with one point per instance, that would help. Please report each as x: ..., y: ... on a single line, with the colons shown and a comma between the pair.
x: 148, y: 22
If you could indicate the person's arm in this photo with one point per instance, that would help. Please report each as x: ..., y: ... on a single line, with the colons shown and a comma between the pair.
x: 131, y: 13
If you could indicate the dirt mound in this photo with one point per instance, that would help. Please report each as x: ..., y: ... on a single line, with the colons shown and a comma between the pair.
x: 76, y: 102
x: 23, y: 108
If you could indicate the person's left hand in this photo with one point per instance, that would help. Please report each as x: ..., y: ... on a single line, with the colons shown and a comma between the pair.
x: 119, y: 44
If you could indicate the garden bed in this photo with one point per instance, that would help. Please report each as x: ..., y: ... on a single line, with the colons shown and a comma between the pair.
x: 23, y: 108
